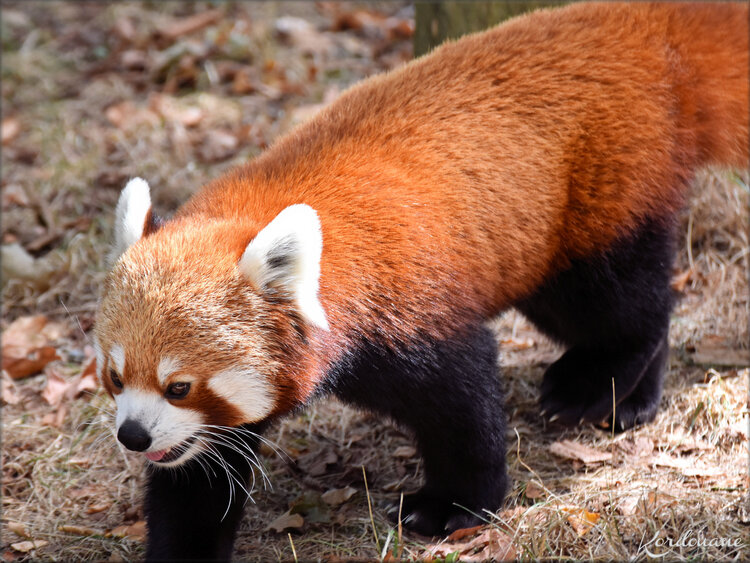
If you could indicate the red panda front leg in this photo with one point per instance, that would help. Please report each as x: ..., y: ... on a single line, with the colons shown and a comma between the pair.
x: 448, y: 393
x: 193, y: 512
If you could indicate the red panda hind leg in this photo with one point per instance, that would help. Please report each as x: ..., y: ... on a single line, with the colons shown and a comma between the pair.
x: 612, y: 311
x: 449, y: 394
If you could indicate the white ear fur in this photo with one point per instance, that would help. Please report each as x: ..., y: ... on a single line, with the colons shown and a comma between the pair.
x: 286, y: 255
x: 130, y: 216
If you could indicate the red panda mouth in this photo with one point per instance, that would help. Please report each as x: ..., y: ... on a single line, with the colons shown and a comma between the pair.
x: 172, y: 453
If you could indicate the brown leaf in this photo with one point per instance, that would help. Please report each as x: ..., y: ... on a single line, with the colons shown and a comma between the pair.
x: 244, y: 82
x: 172, y: 109
x: 9, y: 390
x: 125, y: 29
x: 404, y: 452
x: 679, y: 281
x: 27, y: 546
x: 9, y: 129
x: 14, y: 195
x: 518, y: 343
x: 581, y: 519
x: 126, y: 115
x: 99, y: 507
x: 55, y: 418
x: 462, y: 533
x: 135, y: 531
x: 302, y: 35
x: 573, y: 450
x: 174, y: 29
x: 533, y: 491
x: 56, y: 388
x: 80, y: 530
x: 18, y: 529
x: 491, y: 544
x: 285, y: 522
x: 33, y: 362
x: 334, y: 497
x: 218, y: 145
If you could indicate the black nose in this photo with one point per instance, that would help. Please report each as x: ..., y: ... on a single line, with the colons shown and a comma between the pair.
x: 134, y: 436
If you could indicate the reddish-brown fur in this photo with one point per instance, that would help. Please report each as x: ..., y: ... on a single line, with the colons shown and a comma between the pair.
x: 451, y: 188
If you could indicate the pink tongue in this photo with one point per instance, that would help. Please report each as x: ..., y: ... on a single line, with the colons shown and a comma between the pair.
x: 157, y: 455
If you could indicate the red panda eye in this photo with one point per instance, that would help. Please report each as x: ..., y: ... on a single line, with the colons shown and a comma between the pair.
x: 116, y: 381
x: 177, y: 390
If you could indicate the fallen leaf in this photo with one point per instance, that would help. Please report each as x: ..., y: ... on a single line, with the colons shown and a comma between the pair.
x: 302, y: 35
x: 462, y: 533
x: 334, y: 497
x: 27, y: 546
x: 573, y: 450
x: 56, y: 418
x: 491, y: 544
x: 9, y: 390
x: 26, y: 344
x: 404, y: 452
x: 80, y: 530
x: 10, y: 129
x: 318, y: 462
x: 518, y: 343
x: 218, y: 145
x: 311, y: 506
x: 87, y: 380
x: 135, y: 531
x: 175, y: 28
x: 55, y: 389
x: 126, y: 115
x: 533, y: 491
x: 244, y: 82
x: 100, y: 507
x: 18, y: 529
x: 174, y: 110
x: 285, y: 522
x: 581, y: 519
x: 679, y: 281
x: 14, y: 195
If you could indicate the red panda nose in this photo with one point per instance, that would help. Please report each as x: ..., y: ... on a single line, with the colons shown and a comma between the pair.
x: 134, y: 436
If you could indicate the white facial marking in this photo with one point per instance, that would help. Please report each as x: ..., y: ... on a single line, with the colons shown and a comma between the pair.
x: 130, y: 216
x: 286, y: 254
x: 167, y: 366
x: 117, y: 355
x: 167, y: 424
x: 245, y: 390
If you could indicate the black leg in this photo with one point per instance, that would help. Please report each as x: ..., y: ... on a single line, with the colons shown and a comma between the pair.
x: 449, y: 394
x: 188, y: 509
x: 612, y: 311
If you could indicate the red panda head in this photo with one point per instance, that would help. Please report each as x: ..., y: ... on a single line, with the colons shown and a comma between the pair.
x: 205, y: 323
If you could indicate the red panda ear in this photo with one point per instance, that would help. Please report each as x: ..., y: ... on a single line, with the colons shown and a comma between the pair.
x: 285, y: 256
x: 133, y: 217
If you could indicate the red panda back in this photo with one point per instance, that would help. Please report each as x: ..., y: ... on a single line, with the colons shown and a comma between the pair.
x: 452, y: 187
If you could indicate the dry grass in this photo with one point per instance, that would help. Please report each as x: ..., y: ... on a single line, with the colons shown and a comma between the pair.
x: 686, y: 473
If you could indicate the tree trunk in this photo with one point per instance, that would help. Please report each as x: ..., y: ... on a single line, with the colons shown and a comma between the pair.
x: 438, y: 21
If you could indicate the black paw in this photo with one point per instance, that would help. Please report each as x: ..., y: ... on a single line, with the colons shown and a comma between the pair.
x: 431, y: 516
x: 578, y: 388
x: 573, y: 392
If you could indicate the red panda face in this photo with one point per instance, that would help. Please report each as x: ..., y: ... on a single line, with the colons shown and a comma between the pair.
x: 199, y: 329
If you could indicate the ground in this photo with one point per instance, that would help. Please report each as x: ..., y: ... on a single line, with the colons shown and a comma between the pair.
x: 178, y: 92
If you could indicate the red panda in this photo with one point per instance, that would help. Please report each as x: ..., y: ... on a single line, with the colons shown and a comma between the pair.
x: 538, y: 165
